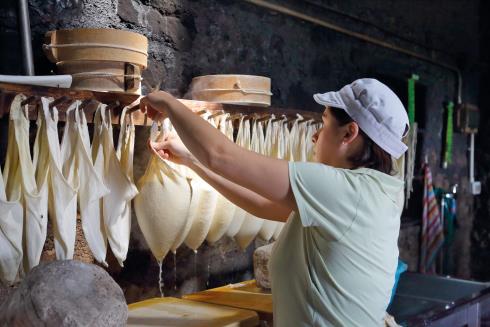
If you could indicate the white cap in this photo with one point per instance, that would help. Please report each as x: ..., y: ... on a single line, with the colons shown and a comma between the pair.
x: 376, y: 109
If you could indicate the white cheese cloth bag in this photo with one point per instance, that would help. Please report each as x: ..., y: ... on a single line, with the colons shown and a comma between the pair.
x: 167, y: 127
x: 62, y: 205
x: 293, y: 140
x: 202, y: 216
x: 280, y: 144
x: 225, y: 209
x: 311, y: 129
x: 121, y: 188
x: 242, y: 138
x: 125, y: 154
x: 269, y: 226
x: 286, y: 135
x: 298, y: 141
x: 80, y: 171
x: 20, y: 183
x: 251, y: 224
x: 11, y: 224
x: 162, y: 205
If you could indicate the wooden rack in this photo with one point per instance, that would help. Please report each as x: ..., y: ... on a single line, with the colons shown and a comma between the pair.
x: 118, y: 100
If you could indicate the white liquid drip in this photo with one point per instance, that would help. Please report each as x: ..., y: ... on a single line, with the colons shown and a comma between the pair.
x: 195, y: 263
x: 160, y: 280
x: 175, y: 270
x: 207, y: 279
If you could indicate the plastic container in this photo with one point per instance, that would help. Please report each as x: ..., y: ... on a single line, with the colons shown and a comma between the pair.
x: 401, y: 268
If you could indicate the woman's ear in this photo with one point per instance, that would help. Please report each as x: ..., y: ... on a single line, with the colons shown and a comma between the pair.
x: 350, y: 133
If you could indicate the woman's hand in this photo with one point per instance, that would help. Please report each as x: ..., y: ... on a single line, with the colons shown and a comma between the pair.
x: 171, y: 148
x: 155, y: 105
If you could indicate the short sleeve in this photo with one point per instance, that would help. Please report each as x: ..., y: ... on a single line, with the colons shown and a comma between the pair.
x: 326, y: 197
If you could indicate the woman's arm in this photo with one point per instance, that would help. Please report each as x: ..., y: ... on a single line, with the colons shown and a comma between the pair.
x: 171, y: 148
x: 244, y: 198
x: 265, y: 176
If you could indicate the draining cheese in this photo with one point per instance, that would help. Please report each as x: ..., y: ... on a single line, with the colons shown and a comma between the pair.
x: 203, y: 211
x: 21, y: 184
x: 78, y: 166
x: 269, y: 226
x: 11, y: 225
x: 225, y: 210
x: 115, y: 203
x: 62, y: 205
x: 251, y: 224
x: 162, y: 205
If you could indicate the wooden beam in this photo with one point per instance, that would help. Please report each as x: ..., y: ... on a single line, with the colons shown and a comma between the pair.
x: 8, y: 92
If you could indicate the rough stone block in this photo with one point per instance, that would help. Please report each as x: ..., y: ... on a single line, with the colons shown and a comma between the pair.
x: 172, y: 27
x: 66, y: 293
x: 128, y: 11
x: 261, y: 258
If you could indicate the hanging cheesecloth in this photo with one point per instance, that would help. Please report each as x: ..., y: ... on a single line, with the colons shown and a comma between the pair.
x: 77, y: 165
x: 189, y: 174
x: 203, y: 213
x: 297, y: 140
x: 125, y: 154
x: 224, y: 210
x: 269, y: 226
x: 311, y: 129
x: 251, y: 225
x: 11, y: 223
x: 121, y: 188
x: 20, y: 183
x: 280, y: 145
x: 163, y: 204
x: 242, y: 139
x: 62, y: 205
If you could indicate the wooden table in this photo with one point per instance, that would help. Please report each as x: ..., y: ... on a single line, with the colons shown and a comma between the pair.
x: 170, y: 311
x: 244, y: 295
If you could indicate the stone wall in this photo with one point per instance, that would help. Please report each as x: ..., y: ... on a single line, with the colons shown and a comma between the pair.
x: 191, y: 38
x: 481, y: 231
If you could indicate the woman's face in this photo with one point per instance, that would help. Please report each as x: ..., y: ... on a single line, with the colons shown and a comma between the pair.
x: 328, y: 141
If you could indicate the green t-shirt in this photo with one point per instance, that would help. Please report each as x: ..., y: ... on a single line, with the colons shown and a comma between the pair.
x: 335, y: 260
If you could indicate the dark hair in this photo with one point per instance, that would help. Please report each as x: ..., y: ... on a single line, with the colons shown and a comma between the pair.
x: 371, y: 155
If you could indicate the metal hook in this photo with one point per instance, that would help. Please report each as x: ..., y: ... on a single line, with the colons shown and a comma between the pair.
x: 217, y: 114
x: 29, y: 100
x: 235, y: 116
x: 279, y: 119
x: 112, y: 105
x: 85, y: 103
x: 58, y: 101
x: 266, y: 117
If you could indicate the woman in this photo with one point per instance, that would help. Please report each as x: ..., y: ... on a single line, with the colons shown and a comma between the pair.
x: 335, y: 261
